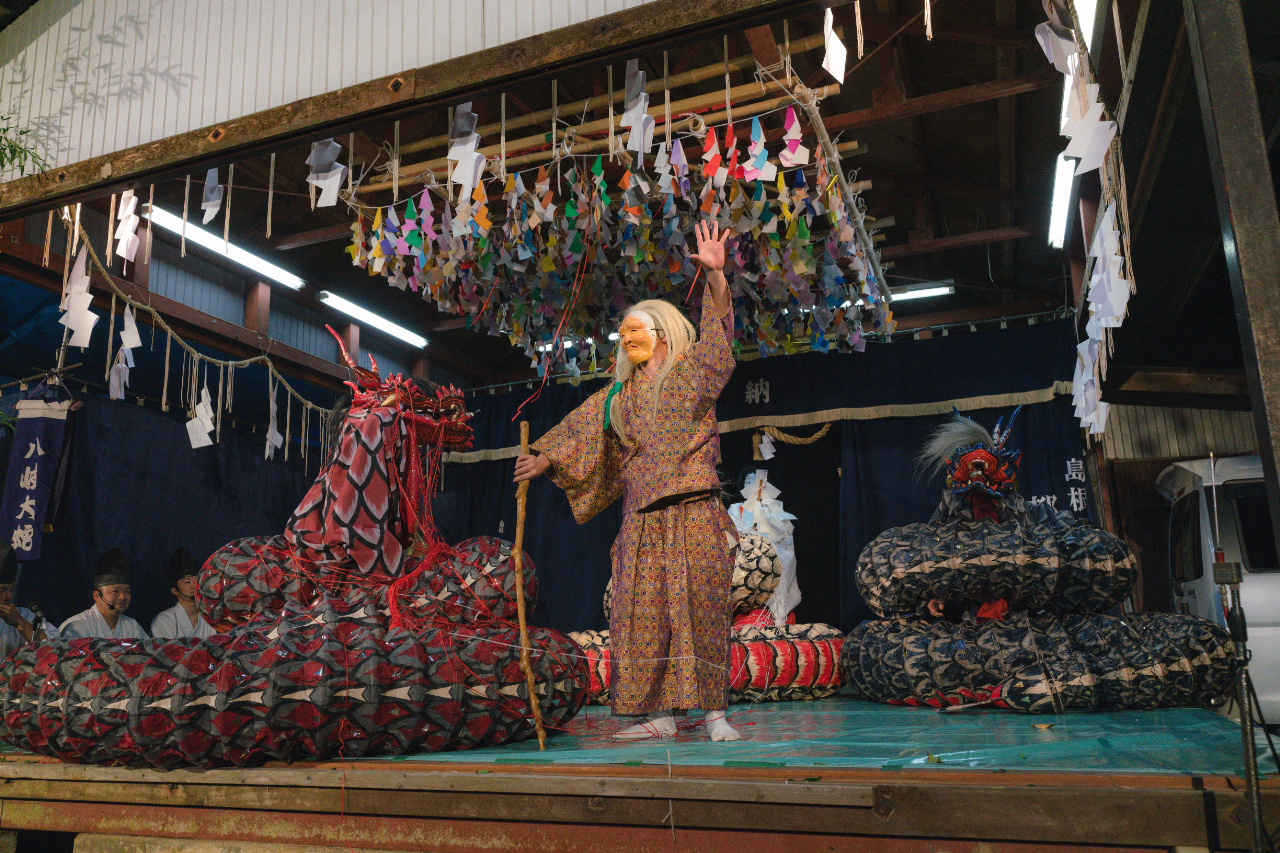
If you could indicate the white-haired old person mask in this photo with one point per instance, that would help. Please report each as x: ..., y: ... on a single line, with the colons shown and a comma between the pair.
x: 638, y: 337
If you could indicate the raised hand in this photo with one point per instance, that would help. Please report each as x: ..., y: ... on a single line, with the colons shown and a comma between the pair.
x: 711, y: 242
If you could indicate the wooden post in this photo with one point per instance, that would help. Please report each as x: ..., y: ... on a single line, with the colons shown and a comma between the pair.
x: 517, y: 551
x: 257, y: 307
x: 420, y: 366
x: 351, y: 340
x: 1246, y: 210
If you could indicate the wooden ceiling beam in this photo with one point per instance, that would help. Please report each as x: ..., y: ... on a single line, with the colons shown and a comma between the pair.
x: 958, y: 241
x: 763, y: 47
x: 939, y: 101
x: 977, y: 314
x: 907, y: 182
x: 310, y: 238
x: 1184, y: 381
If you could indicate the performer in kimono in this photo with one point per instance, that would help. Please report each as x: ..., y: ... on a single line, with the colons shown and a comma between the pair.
x: 651, y: 438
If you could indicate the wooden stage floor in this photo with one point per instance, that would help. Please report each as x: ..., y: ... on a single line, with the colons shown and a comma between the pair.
x: 835, y: 775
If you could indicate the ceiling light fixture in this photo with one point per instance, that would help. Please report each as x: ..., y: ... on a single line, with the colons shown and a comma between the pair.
x: 1065, y: 170
x: 214, y: 243
x: 922, y: 292
x: 371, y: 319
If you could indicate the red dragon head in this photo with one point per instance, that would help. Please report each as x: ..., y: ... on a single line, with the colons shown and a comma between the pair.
x: 438, y: 414
x: 987, y: 468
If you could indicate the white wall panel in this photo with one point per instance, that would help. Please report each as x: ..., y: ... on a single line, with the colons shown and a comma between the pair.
x: 95, y: 76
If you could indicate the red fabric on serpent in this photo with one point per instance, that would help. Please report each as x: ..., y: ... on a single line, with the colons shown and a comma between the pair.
x: 354, y: 633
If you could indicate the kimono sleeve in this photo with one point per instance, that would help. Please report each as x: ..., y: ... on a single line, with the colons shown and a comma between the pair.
x: 710, y: 360
x: 585, y: 459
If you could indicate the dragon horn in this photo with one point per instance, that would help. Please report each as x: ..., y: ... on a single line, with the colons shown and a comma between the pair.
x: 1001, y: 439
x: 374, y: 363
x: 369, y: 379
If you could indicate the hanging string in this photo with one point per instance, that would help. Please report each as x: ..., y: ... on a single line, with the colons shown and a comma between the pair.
x: 502, y: 137
x: 226, y: 214
x: 151, y: 206
x: 48, y: 238
x: 164, y: 392
x: 611, y: 138
x: 217, y: 428
x: 111, y: 229
x: 448, y: 184
x: 395, y: 167
x: 66, y: 269
x: 186, y: 201
x: 857, y: 17
x: 351, y: 165
x: 928, y: 20
x: 666, y: 99
x: 111, y: 333
x: 182, y: 385
x: 231, y: 386
x: 271, y: 190
x: 288, y: 422
x: 555, y: 128
x: 76, y: 236
x: 728, y: 91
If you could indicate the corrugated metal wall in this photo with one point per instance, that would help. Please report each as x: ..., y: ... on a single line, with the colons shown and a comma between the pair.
x: 196, y: 282
x: 390, y: 360
x: 97, y: 76
x: 301, y: 328
x: 1152, y: 432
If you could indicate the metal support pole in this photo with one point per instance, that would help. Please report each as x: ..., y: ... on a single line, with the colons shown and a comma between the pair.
x: 805, y: 96
x: 1246, y: 210
x: 1228, y: 576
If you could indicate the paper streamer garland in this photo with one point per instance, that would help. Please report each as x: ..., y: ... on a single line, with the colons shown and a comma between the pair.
x: 514, y: 277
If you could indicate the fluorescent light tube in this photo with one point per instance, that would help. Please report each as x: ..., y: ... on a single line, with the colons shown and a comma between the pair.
x: 230, y: 251
x: 1065, y: 170
x: 1063, y: 175
x: 371, y: 319
x: 921, y: 293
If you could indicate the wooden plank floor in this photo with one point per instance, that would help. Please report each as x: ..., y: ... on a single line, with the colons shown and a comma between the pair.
x: 396, y: 806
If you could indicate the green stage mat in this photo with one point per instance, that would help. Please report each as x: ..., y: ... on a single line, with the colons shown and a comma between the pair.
x: 844, y: 732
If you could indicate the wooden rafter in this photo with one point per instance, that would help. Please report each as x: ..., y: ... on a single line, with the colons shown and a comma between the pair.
x: 950, y: 99
x: 957, y: 241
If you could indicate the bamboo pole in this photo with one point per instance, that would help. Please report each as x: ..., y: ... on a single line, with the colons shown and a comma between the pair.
x: 517, y: 550
x: 806, y: 98
x: 700, y: 102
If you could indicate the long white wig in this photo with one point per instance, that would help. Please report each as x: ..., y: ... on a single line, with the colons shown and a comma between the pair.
x: 676, y: 330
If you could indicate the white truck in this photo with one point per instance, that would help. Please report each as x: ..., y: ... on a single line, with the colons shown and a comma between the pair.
x: 1246, y: 537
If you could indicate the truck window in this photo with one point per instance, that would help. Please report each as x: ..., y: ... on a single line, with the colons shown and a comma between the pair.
x: 1253, y: 527
x: 1184, y: 540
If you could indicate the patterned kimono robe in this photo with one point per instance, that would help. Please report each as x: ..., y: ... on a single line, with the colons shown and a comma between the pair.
x: 669, y: 627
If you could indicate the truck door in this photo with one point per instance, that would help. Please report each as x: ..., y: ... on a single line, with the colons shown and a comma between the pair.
x: 1185, y: 563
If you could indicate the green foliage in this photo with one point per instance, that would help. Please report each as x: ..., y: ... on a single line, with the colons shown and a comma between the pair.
x: 14, y: 150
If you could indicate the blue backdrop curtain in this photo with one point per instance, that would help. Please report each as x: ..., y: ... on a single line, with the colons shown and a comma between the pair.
x: 135, y: 483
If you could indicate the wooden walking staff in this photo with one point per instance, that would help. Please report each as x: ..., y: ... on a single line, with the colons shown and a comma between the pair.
x: 522, y: 498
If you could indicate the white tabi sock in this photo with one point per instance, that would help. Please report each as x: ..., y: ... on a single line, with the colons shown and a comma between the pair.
x: 660, y: 725
x: 718, y: 728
